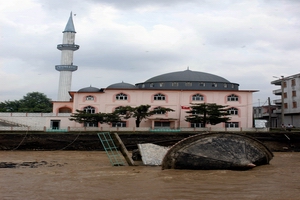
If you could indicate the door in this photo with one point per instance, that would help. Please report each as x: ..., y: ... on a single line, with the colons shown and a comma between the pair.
x: 54, y: 124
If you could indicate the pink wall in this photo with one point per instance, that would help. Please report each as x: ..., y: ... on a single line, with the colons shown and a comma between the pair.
x: 106, y: 102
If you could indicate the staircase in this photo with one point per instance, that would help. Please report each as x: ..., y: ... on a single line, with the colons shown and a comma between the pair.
x: 115, y: 158
x: 9, y: 123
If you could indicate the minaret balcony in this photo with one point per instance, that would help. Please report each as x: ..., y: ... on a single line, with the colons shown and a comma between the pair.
x: 66, y: 67
x: 72, y: 47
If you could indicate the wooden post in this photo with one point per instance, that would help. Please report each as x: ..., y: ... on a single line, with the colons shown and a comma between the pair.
x: 123, y: 150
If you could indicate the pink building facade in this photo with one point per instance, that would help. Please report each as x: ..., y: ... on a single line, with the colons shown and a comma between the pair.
x: 173, y: 90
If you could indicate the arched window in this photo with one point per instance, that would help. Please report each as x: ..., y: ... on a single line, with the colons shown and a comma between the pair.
x: 233, y: 111
x: 232, y: 98
x: 202, y: 84
x: 159, y: 97
x: 175, y: 84
x: 121, y: 96
x: 89, y: 98
x: 89, y: 109
x: 64, y: 110
x: 158, y: 111
x: 188, y: 84
x: 198, y: 97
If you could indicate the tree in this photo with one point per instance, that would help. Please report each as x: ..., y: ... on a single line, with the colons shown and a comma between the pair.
x: 139, y: 113
x: 9, y: 106
x: 207, y: 113
x: 31, y: 102
x: 94, y: 118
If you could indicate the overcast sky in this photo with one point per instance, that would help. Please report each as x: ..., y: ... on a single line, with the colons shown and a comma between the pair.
x: 246, y: 42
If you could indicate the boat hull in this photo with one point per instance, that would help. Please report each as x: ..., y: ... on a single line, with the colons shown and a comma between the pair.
x: 217, y: 151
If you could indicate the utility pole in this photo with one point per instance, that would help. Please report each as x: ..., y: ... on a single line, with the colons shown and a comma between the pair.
x: 270, y: 112
x: 282, y: 99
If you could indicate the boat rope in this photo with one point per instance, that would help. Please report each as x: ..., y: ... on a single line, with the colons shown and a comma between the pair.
x: 20, y: 142
x: 287, y: 137
x: 70, y: 143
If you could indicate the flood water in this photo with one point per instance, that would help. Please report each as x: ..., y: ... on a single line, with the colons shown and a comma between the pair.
x: 89, y: 175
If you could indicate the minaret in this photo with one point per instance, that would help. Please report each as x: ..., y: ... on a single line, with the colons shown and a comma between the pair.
x: 66, y: 66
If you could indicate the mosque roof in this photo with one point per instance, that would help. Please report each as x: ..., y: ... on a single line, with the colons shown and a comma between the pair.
x: 121, y: 85
x: 89, y: 89
x: 70, y: 25
x: 187, y: 76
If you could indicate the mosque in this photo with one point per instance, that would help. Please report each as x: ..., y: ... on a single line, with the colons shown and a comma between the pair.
x: 175, y: 90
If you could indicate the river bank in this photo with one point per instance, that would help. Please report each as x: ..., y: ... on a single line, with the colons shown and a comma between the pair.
x: 89, y: 141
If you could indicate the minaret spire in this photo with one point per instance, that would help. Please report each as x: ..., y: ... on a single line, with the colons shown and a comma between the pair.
x: 70, y: 25
x: 66, y: 66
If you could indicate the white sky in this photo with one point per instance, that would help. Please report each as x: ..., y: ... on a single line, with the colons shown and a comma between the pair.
x: 246, y: 42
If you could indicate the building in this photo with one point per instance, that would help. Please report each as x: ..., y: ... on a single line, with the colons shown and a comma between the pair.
x: 289, y: 101
x: 175, y: 90
x: 268, y: 113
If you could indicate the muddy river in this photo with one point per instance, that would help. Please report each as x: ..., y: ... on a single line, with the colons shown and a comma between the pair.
x: 89, y: 175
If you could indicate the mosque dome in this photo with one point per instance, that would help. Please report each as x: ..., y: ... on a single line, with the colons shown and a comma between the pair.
x: 187, y: 80
x: 121, y: 85
x: 188, y: 75
x: 89, y: 89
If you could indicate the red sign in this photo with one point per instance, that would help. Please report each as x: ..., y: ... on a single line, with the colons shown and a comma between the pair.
x: 185, y: 107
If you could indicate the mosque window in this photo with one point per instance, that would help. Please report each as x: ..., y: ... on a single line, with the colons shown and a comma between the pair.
x: 143, y: 85
x: 89, y: 109
x: 151, y: 84
x: 175, y: 84
x: 201, y: 84
x: 121, y: 96
x: 233, y: 111
x: 89, y: 98
x: 214, y: 85
x: 188, y: 84
x: 159, y: 97
x: 232, y: 124
x: 90, y: 124
x: 232, y: 98
x: 225, y: 85
x: 161, y: 84
x: 197, y: 125
x: 198, y: 97
x: 232, y: 85
x: 158, y: 111
x: 118, y: 124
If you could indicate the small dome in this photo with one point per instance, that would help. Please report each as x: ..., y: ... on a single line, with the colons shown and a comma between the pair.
x: 188, y: 75
x: 121, y: 85
x: 89, y: 89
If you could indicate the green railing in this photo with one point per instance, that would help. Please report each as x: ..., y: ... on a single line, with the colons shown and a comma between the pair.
x: 164, y: 130
x: 56, y: 130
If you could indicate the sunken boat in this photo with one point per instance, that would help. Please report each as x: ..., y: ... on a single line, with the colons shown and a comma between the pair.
x: 210, y: 151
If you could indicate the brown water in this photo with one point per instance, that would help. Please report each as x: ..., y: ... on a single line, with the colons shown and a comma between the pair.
x: 88, y: 175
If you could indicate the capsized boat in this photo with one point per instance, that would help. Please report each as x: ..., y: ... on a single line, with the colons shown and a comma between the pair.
x: 217, y: 151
